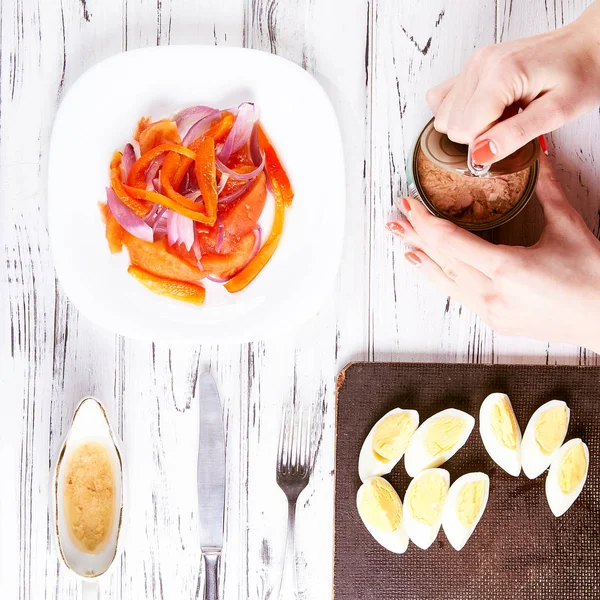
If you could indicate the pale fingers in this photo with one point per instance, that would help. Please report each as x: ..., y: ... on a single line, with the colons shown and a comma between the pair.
x: 435, y: 96
x: 447, y: 238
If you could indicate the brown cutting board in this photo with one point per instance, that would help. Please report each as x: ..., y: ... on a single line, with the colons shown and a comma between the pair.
x: 519, y: 550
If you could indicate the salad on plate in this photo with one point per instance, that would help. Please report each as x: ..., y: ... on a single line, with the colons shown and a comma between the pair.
x: 185, y: 199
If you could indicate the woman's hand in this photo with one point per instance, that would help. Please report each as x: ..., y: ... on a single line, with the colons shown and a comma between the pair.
x: 553, y: 77
x: 550, y: 291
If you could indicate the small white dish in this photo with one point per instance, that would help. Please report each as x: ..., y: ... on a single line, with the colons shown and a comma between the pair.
x: 90, y: 425
x: 98, y: 116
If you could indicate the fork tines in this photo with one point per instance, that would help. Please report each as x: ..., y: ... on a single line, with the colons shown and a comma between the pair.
x: 294, y: 454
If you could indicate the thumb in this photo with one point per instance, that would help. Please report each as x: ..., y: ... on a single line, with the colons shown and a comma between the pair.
x: 505, y: 137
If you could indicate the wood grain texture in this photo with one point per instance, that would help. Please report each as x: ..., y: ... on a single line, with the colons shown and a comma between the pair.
x: 375, y: 59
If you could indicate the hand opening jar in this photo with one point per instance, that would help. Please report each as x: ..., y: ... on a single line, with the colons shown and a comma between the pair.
x: 439, y: 176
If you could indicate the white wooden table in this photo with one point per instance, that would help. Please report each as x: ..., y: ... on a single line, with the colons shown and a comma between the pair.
x: 375, y: 59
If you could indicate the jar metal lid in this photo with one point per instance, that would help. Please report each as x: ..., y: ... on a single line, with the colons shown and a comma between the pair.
x: 449, y: 155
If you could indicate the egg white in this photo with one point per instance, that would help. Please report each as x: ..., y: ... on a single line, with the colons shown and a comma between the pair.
x: 422, y: 535
x: 506, y: 458
x: 372, y: 465
x: 394, y: 541
x: 558, y: 501
x: 457, y: 533
x: 534, y: 461
x: 416, y: 457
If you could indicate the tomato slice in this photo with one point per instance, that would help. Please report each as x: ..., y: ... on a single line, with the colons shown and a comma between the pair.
x: 156, y: 258
x: 242, y: 215
x: 225, y: 266
x: 150, y: 135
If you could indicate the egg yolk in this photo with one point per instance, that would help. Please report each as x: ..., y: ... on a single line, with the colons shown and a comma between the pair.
x: 427, y: 497
x: 392, y: 435
x: 504, y: 424
x: 551, y: 428
x: 443, y: 434
x: 571, y: 470
x: 380, y: 506
x: 469, y: 501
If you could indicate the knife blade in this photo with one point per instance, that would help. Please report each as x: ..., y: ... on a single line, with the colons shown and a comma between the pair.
x: 211, y: 481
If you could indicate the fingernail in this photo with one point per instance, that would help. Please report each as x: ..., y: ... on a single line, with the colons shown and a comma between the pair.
x: 483, y: 152
x: 406, y: 205
x: 543, y: 144
x: 413, y: 259
x: 396, y: 228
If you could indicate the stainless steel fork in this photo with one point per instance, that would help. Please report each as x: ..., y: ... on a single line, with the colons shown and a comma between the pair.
x: 294, y: 467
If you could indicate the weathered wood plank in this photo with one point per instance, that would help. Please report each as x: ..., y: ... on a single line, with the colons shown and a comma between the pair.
x: 375, y: 58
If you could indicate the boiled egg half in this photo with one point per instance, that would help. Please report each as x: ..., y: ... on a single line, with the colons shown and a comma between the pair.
x: 423, y: 504
x: 386, y: 443
x: 464, y: 507
x: 544, y: 435
x: 567, y: 476
x: 500, y: 432
x: 438, y: 439
x: 380, y: 509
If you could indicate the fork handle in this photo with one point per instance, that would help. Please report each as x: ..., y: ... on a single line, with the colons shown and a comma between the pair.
x: 290, y: 547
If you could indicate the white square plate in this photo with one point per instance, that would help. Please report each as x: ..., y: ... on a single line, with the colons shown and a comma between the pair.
x: 98, y: 116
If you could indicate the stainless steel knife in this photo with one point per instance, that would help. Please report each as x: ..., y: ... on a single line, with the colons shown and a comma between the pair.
x: 211, y: 482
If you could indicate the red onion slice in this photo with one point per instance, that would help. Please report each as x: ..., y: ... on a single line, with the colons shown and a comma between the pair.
x: 160, y: 222
x: 215, y: 279
x: 152, y: 170
x: 149, y: 218
x: 197, y: 251
x: 128, y: 160
x: 180, y: 230
x: 127, y: 219
x: 200, y: 127
x: 241, y: 130
x: 222, y: 182
x: 241, y: 176
x: 194, y: 195
x: 235, y: 195
x: 197, y: 112
x: 172, y: 228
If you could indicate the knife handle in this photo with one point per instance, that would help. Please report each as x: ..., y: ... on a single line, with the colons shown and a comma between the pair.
x: 212, y: 561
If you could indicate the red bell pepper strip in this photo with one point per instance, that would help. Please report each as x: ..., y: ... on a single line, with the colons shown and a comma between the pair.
x: 275, y: 172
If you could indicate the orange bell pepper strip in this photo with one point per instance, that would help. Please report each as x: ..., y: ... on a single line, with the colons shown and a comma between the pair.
x: 150, y: 135
x: 206, y: 175
x: 156, y: 198
x: 247, y: 275
x: 114, y: 232
x: 218, y: 131
x: 157, y: 258
x: 139, y: 208
x: 178, y: 290
x: 137, y: 174
x: 275, y: 171
x: 167, y: 174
